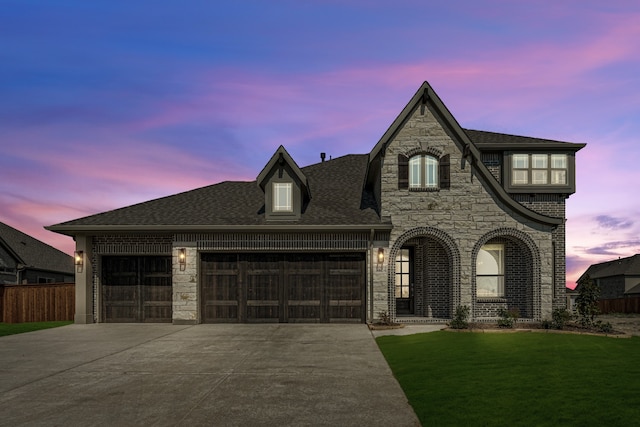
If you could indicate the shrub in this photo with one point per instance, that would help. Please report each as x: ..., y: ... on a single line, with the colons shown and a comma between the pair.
x: 508, y: 317
x: 461, y: 318
x: 384, y: 317
x: 560, y: 317
x: 587, y: 301
x: 604, y: 327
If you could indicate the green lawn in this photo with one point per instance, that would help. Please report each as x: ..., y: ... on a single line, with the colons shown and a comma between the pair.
x: 19, y: 328
x: 517, y: 379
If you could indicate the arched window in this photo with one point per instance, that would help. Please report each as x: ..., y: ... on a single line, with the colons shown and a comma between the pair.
x: 423, y: 171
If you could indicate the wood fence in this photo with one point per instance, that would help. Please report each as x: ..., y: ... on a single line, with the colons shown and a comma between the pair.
x: 619, y: 305
x: 40, y: 302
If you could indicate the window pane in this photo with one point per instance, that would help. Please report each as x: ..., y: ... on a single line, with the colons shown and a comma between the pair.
x: 520, y: 161
x: 282, y: 197
x: 559, y: 177
x: 559, y: 161
x: 520, y: 177
x: 489, y: 260
x: 431, y: 171
x: 539, y: 176
x: 414, y: 171
x: 539, y: 161
x: 490, y: 286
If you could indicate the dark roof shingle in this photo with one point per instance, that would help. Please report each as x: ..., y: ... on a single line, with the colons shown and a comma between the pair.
x: 34, y: 253
x: 337, y: 198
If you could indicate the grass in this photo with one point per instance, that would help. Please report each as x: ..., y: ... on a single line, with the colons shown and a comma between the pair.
x: 517, y: 379
x: 20, y: 328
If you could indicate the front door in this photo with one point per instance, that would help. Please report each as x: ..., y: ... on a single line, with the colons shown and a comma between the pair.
x: 404, y: 282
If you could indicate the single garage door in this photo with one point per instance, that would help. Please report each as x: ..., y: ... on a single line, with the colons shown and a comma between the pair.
x: 283, y: 287
x: 136, y: 289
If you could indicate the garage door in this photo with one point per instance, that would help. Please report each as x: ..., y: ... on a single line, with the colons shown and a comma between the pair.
x: 283, y: 287
x: 136, y: 289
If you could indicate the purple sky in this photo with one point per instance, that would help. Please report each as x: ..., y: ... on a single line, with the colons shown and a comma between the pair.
x: 104, y: 104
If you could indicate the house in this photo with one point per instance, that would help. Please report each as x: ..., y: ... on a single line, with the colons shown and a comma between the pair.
x: 619, y: 278
x: 434, y: 217
x: 24, y: 259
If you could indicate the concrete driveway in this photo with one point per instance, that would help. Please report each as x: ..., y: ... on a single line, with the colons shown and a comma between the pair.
x: 219, y: 375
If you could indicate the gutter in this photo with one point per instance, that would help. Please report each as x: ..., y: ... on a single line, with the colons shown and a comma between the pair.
x: 72, y: 230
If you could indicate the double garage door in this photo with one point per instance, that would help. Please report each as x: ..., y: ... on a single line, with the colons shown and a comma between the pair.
x: 282, y: 287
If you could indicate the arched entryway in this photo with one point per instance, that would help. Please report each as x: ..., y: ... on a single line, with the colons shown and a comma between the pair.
x: 506, y: 275
x: 424, y: 271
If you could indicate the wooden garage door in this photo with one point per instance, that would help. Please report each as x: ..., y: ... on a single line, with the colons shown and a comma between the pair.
x: 136, y: 289
x: 283, y: 287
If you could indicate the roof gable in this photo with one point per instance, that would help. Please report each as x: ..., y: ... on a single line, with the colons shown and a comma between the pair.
x: 426, y: 95
x: 279, y: 159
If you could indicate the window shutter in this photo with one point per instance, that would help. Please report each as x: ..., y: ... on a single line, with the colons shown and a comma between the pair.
x: 445, y: 175
x: 403, y: 172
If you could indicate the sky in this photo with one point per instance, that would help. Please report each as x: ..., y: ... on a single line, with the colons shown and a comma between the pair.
x: 104, y: 104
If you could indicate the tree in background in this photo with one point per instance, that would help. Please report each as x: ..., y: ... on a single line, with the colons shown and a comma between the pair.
x: 587, y: 301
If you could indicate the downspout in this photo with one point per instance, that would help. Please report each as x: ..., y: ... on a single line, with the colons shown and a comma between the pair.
x: 371, y: 275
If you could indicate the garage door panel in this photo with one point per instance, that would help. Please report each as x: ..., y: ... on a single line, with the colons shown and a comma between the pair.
x: 287, y: 288
x: 220, y: 290
x: 137, y: 289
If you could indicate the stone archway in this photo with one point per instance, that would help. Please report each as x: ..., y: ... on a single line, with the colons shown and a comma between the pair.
x: 521, y: 276
x: 436, y: 270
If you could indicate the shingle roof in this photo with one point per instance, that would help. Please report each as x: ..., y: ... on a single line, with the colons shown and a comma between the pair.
x: 34, y: 253
x: 485, y: 139
x: 629, y: 266
x: 336, y: 187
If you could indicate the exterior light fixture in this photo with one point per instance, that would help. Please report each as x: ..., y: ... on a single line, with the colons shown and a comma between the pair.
x: 78, y: 257
x: 78, y: 260
x: 380, y: 260
x: 182, y: 258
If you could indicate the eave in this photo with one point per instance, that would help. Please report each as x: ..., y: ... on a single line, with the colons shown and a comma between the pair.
x: 73, y: 230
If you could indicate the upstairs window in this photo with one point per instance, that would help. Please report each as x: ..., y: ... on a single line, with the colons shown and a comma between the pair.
x: 423, y: 171
x: 539, y: 169
x: 490, y: 271
x: 282, y: 197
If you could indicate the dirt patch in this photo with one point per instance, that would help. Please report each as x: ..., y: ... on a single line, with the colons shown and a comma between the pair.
x: 627, y: 323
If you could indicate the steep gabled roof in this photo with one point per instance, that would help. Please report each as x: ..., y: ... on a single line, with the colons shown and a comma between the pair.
x: 629, y: 266
x: 281, y: 156
x: 33, y: 253
x: 338, y: 202
x: 426, y: 95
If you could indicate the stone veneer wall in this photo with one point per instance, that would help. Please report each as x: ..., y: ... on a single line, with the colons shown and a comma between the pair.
x: 463, y: 215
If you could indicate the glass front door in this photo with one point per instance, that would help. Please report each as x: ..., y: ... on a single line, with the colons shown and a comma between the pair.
x: 404, y: 282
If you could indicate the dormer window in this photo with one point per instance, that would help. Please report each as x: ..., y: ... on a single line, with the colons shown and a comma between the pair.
x: 282, y: 197
x: 540, y: 172
x: 423, y: 171
x: 539, y: 169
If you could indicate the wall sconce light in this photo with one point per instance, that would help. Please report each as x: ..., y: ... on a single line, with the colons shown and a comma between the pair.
x: 182, y: 258
x: 78, y: 257
x: 380, y: 258
x: 78, y: 260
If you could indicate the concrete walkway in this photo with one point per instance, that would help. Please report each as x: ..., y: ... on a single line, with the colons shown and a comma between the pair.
x: 219, y: 375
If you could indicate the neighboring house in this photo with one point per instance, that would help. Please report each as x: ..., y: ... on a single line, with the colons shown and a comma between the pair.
x: 434, y: 217
x: 619, y: 278
x: 572, y: 294
x: 24, y: 259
